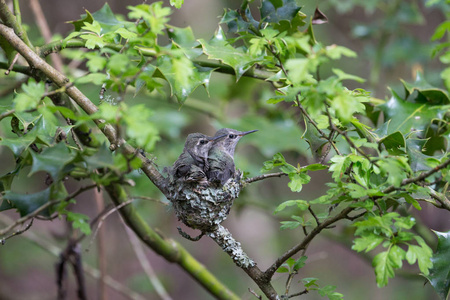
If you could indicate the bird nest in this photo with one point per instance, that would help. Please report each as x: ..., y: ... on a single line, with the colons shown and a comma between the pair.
x: 203, y: 207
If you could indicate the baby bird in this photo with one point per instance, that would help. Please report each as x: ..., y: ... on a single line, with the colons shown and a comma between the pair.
x: 192, y: 164
x: 221, y: 156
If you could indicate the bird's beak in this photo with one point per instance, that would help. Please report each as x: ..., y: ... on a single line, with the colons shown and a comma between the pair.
x: 247, y: 132
x: 217, y: 137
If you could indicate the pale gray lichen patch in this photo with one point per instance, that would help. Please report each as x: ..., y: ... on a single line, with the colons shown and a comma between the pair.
x: 223, y: 237
x: 203, y: 207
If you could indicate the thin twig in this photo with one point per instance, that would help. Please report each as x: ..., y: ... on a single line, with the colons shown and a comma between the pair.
x: 264, y: 176
x: 16, y: 57
x: 254, y: 294
x: 313, y: 123
x: 2, y: 241
x: 305, y: 291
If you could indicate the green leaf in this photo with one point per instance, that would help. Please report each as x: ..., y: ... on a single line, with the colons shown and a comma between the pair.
x: 125, y: 33
x: 277, y: 161
x: 289, y: 225
x: 184, y: 39
x: 118, y: 63
x: 177, y: 3
x: 282, y: 270
x: 406, y: 116
x: 218, y: 48
x: 300, y: 263
x: 285, y: 15
x: 53, y: 160
x: 18, y: 144
x: 139, y: 128
x: 106, y: 18
x: 433, y: 95
x: 336, y: 52
x: 344, y: 76
x: 87, y: 18
x: 93, y: 41
x: 339, y: 166
x: 394, y: 143
x: 93, y: 27
x: 27, y: 203
x: 300, y: 69
x: 301, y: 204
x: 79, y: 221
x: 101, y: 159
x: 154, y: 15
x: 367, y: 242
x: 314, y: 167
x: 439, y: 276
x: 385, y: 263
x: 183, y: 76
x: 298, y: 180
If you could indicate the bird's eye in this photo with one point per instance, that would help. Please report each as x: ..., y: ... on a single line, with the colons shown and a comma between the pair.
x: 202, y: 142
x: 232, y: 136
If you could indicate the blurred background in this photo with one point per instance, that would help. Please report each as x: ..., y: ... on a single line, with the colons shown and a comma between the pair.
x: 392, y: 39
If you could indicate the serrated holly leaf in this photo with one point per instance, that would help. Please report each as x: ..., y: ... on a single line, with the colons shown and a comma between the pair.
x: 101, y: 159
x: 433, y: 95
x: 285, y: 14
x: 406, y: 116
x: 106, y: 18
x: 53, y: 160
x: 184, y: 39
x: 236, y: 22
x: 27, y: 203
x: 218, y: 48
x: 19, y: 144
x: 87, y: 18
x: 45, y: 128
x: 394, y: 143
x: 183, y: 76
x: 301, y: 204
x: 439, y: 276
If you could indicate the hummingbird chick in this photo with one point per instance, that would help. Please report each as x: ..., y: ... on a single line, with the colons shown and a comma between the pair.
x: 221, y: 156
x: 192, y: 164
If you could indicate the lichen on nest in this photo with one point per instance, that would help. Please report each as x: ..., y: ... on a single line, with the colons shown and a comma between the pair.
x: 203, y: 207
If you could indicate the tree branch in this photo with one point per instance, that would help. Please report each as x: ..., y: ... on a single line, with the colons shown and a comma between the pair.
x: 264, y: 176
x: 10, y: 20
